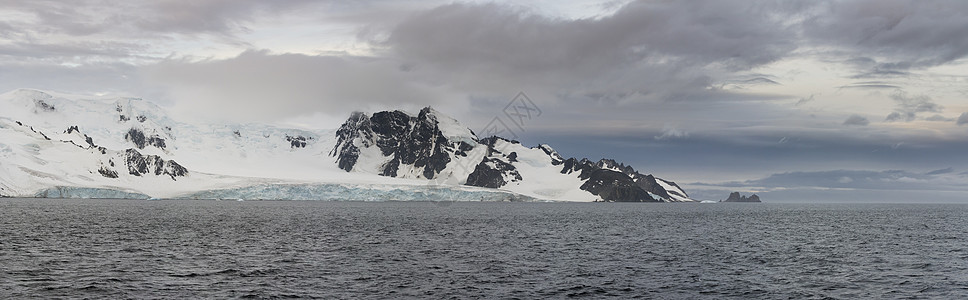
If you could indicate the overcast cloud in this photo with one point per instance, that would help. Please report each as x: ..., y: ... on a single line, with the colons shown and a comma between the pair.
x: 963, y: 119
x: 856, y: 120
x: 720, y: 87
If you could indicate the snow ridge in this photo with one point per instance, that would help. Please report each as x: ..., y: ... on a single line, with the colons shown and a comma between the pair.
x: 61, y: 145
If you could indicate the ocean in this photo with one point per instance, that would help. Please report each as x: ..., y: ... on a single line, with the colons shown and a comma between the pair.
x: 362, y: 250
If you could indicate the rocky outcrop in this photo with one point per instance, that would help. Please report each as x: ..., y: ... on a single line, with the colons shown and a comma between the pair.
x: 651, y: 184
x: 141, y: 141
x: 416, y: 141
x: 424, y: 144
x: 615, y: 187
x: 622, y: 179
x: 611, y: 164
x: 294, y: 141
x: 108, y: 173
x: 493, y: 173
x: 355, y: 130
x: 42, y: 105
x: 139, y: 165
x: 736, y: 197
x: 556, y: 158
x: 496, y: 169
x: 609, y: 184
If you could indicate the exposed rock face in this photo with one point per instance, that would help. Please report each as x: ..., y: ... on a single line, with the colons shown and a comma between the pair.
x: 42, y: 105
x: 33, y: 130
x: 108, y: 172
x: 137, y: 137
x: 495, y: 170
x: 87, y: 139
x: 611, y: 164
x: 493, y: 173
x: 139, y: 165
x: 736, y: 197
x: 556, y: 158
x: 609, y: 184
x: 615, y: 186
x: 355, y: 130
x: 646, y: 183
x: 397, y: 141
x: 406, y: 140
x: 294, y: 141
x: 651, y: 184
x: 414, y: 145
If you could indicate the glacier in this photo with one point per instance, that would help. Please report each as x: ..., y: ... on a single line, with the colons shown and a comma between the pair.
x: 352, y: 192
x: 68, y: 192
x: 59, y: 145
x: 306, y: 191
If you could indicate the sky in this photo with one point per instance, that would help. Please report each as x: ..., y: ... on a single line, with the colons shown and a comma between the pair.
x: 798, y: 101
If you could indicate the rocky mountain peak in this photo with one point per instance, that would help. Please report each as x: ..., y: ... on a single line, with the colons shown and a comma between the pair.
x: 401, y: 139
x: 556, y: 158
x: 124, y: 142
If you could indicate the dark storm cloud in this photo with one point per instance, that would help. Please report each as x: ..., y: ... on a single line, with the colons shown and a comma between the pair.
x: 742, y: 83
x: 856, y: 120
x: 877, y: 73
x: 649, y: 47
x: 661, y: 84
x: 219, y: 16
x: 917, y: 103
x: 759, y: 80
x: 908, y: 106
x: 742, y: 152
x: 805, y: 100
x: 870, y: 86
x: 673, y: 47
x: 902, y: 34
x: 647, y: 51
x: 962, y: 119
x: 88, y: 17
x: 900, y: 117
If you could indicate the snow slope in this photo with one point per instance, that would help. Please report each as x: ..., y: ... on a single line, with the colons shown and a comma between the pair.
x: 43, y: 145
x: 430, y: 145
x: 62, y: 145
x: 541, y: 178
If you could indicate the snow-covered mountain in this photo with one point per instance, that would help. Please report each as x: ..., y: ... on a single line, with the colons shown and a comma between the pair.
x: 430, y: 145
x: 59, y: 145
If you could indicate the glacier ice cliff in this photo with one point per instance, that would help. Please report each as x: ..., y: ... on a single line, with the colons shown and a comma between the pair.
x: 349, y: 192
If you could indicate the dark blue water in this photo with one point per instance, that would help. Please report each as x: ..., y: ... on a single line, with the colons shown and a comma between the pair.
x: 209, y: 249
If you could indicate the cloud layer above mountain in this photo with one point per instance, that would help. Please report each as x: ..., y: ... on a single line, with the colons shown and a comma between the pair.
x: 838, y: 78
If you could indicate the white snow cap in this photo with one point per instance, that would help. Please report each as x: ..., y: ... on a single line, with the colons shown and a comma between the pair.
x: 451, y: 128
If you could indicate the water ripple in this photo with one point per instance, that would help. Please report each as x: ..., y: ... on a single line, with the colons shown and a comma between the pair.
x: 252, y: 249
